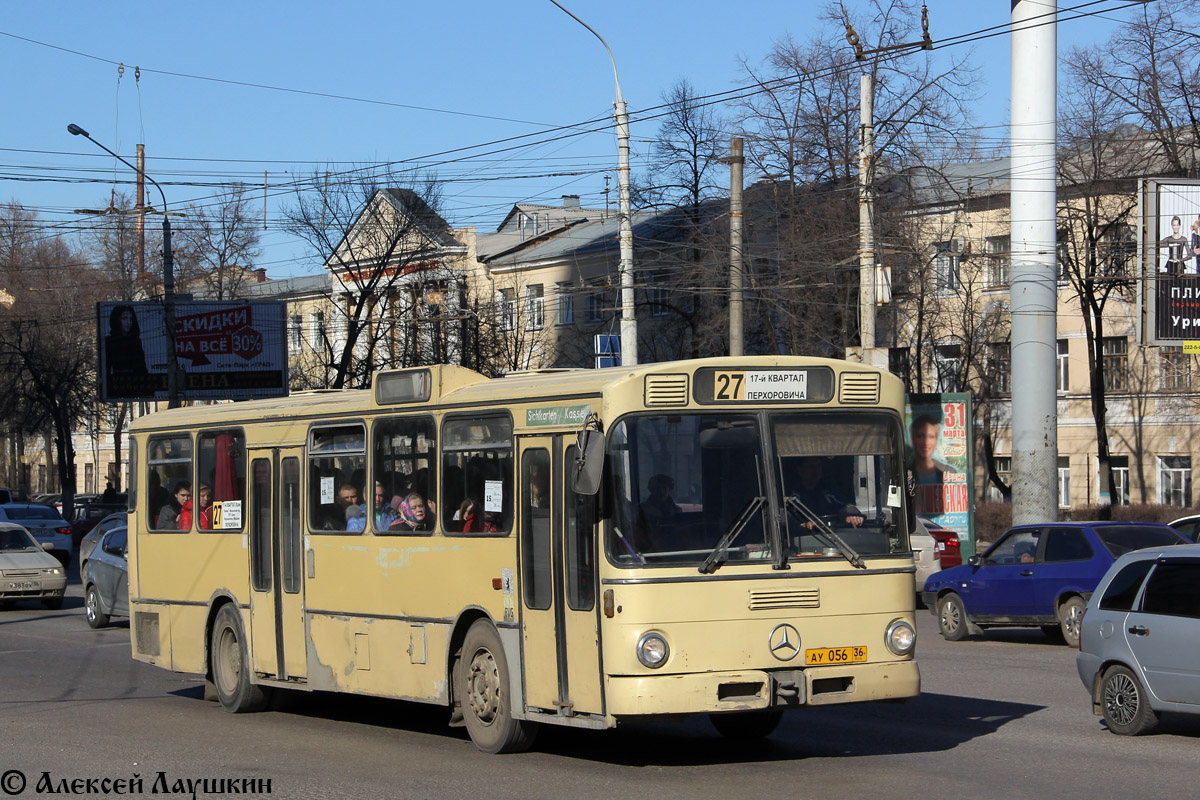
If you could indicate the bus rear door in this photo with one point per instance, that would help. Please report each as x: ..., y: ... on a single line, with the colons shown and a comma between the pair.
x: 277, y: 637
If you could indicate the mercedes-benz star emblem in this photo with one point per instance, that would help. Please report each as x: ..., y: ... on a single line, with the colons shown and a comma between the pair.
x: 785, y: 642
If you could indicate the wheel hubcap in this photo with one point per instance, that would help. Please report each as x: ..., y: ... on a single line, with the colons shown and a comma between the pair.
x: 91, y: 607
x: 228, y: 662
x: 950, y: 616
x: 1121, y: 699
x: 483, y: 687
x: 1072, y: 622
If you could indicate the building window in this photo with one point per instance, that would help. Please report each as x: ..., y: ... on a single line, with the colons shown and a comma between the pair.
x: 1064, y: 367
x: 900, y: 364
x: 948, y: 360
x: 595, y: 306
x: 1002, y: 468
x: 566, y: 303
x: 508, y: 310
x: 1120, y: 476
x: 1115, y: 351
x: 535, y: 307
x: 945, y: 264
x: 295, y: 333
x: 1000, y: 366
x: 658, y: 296
x: 1175, y: 368
x: 1064, y: 482
x: 316, y: 330
x: 998, y: 259
x: 1175, y: 480
x: 1118, y: 248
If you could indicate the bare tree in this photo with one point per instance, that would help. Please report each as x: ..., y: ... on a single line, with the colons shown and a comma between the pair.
x: 395, y: 290
x: 217, y: 244
x: 1099, y: 160
x: 47, y: 339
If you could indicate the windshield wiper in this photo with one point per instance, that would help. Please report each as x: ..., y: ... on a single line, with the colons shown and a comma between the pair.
x: 822, y: 532
x: 717, y: 557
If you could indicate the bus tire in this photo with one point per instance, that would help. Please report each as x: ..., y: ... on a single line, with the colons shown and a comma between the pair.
x: 230, y: 665
x: 747, y: 724
x: 486, y: 702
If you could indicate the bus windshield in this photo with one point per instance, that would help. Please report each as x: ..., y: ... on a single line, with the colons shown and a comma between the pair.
x: 698, y: 489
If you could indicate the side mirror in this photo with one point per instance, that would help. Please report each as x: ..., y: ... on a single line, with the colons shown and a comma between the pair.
x: 975, y: 561
x: 47, y: 546
x: 589, y: 464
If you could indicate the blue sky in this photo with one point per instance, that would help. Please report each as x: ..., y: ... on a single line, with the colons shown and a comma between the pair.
x: 443, y: 79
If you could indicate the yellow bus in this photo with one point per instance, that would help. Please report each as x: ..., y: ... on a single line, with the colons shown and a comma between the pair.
x: 575, y: 547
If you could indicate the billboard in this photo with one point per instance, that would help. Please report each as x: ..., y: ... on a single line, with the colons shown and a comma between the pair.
x: 1172, y: 260
x: 225, y: 350
x: 939, y: 435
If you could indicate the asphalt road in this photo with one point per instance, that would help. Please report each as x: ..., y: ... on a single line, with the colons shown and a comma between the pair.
x: 1000, y: 717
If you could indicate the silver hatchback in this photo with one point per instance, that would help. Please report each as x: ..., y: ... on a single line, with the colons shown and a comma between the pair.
x: 1139, y: 648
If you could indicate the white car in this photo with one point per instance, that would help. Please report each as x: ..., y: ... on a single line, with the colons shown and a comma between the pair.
x: 27, y: 571
x: 926, y: 556
x: 46, y: 525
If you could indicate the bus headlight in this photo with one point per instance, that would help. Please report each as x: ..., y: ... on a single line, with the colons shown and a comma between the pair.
x: 901, y: 638
x: 653, y: 650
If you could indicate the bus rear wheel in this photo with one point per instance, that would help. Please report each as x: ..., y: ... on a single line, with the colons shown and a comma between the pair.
x: 747, y: 724
x: 486, y: 704
x: 231, y: 665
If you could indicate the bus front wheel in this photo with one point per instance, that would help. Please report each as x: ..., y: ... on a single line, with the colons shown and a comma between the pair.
x: 231, y: 665
x: 487, y: 706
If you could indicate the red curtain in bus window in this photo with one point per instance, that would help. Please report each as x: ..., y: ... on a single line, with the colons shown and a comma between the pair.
x: 226, y: 469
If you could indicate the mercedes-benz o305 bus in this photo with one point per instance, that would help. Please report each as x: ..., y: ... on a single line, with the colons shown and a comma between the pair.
x: 579, y: 547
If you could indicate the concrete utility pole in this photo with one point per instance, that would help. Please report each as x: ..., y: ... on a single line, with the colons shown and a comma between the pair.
x: 736, y: 164
x: 868, y: 353
x: 1033, y: 287
x: 629, y: 354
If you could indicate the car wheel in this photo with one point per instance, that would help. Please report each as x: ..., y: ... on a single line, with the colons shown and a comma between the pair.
x: 1124, y: 703
x: 96, y: 618
x: 486, y: 705
x: 230, y: 665
x: 747, y: 724
x: 952, y: 618
x: 1070, y: 617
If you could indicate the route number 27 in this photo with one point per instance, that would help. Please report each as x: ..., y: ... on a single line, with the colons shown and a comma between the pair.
x: 729, y: 386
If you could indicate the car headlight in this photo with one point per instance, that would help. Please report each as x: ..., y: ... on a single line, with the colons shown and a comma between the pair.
x: 52, y: 571
x: 653, y: 650
x: 901, y: 638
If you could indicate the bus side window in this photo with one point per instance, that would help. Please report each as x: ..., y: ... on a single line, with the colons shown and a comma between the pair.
x: 404, y: 464
x: 168, y: 473
x: 337, y: 457
x: 220, y: 489
x: 477, y: 465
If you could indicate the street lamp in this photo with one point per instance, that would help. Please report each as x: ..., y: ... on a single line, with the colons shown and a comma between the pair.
x: 168, y: 273
x: 629, y: 350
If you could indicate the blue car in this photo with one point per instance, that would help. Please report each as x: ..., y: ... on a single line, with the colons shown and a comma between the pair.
x: 1036, y: 576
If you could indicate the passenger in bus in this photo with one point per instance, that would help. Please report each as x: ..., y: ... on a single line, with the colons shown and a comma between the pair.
x: 168, y: 515
x: 205, y: 502
x: 657, y: 514
x: 354, y: 511
x: 159, y: 496
x: 473, y: 520
x: 385, y: 515
x: 817, y: 497
x: 413, y: 515
x: 539, y: 487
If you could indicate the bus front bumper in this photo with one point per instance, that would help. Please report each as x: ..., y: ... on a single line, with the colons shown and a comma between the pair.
x: 758, y: 689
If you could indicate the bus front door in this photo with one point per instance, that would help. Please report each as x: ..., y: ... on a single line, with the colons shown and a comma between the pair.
x: 277, y: 637
x: 560, y: 640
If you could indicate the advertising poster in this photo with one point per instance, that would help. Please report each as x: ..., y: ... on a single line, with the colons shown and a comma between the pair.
x: 939, y: 454
x: 1173, y: 262
x: 225, y: 350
